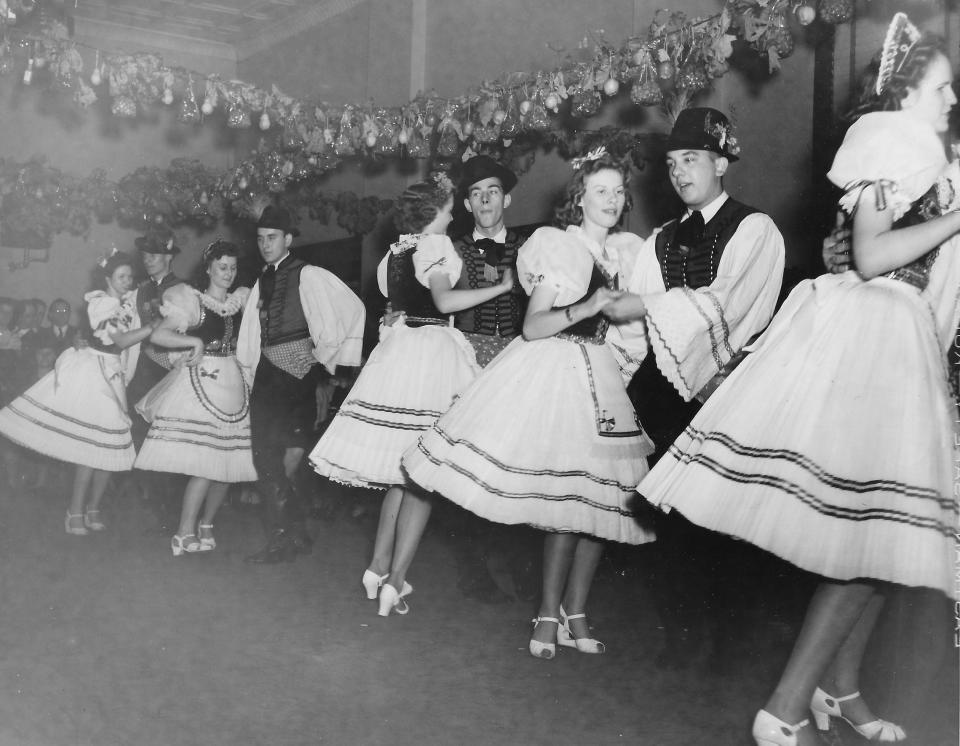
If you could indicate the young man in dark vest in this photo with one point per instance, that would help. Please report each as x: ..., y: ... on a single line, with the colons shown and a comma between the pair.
x: 487, y: 250
x: 157, y: 250
x: 704, y: 284
x: 297, y: 318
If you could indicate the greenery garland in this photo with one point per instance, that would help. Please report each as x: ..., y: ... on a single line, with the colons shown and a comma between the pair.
x: 510, y: 117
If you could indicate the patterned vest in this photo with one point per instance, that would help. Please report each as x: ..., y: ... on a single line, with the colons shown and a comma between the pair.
x: 405, y: 291
x: 659, y: 406
x: 502, y: 316
x: 282, y: 318
x: 149, y: 297
x: 697, y: 267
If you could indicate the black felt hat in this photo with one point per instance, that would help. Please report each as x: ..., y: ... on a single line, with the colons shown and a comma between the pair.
x: 703, y: 128
x: 157, y: 242
x: 482, y: 167
x: 277, y: 218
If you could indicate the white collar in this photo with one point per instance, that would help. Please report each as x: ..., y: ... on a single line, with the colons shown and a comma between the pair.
x: 501, y: 236
x: 710, y: 210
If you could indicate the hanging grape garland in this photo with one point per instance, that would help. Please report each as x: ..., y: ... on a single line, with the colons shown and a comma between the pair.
x: 676, y: 60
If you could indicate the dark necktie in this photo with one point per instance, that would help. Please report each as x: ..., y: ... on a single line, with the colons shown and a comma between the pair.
x: 491, y: 250
x: 267, y: 281
x: 690, y: 231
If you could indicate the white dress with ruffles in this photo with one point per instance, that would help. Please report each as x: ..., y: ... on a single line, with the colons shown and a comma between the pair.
x: 410, y: 379
x: 200, y: 415
x: 78, y: 411
x: 546, y: 436
x: 832, y: 445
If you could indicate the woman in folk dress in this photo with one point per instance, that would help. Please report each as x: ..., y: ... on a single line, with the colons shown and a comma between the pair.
x: 78, y: 412
x: 411, y: 378
x: 547, y: 436
x: 200, y: 412
x: 832, y: 445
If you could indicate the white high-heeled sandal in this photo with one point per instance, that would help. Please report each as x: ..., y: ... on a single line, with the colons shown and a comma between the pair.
x: 772, y: 731
x: 91, y: 519
x: 207, y: 543
x: 392, y: 600
x: 187, y: 543
x: 825, y: 706
x: 80, y: 530
x: 372, y: 583
x: 545, y: 650
x: 583, y: 644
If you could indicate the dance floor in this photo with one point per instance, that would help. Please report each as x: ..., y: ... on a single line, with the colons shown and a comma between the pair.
x: 110, y: 640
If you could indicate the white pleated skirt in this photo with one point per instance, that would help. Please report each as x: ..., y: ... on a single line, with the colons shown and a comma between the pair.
x: 199, y: 422
x: 832, y: 445
x: 75, y: 413
x: 546, y: 437
x: 410, y: 379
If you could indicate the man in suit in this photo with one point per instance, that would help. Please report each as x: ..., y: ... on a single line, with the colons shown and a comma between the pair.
x: 60, y: 331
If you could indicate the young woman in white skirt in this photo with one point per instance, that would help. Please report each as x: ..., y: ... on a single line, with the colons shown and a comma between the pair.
x: 546, y: 436
x: 78, y: 412
x: 832, y: 445
x: 199, y: 413
x: 410, y: 379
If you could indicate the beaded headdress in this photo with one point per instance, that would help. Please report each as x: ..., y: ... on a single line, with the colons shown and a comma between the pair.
x: 900, y: 38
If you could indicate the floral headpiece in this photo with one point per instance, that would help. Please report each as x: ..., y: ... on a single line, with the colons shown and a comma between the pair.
x: 443, y: 183
x: 102, y: 261
x: 723, y: 131
x: 901, y: 36
x: 593, y: 155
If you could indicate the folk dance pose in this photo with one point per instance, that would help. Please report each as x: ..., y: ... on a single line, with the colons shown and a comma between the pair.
x: 703, y: 285
x: 832, y: 444
x: 546, y: 435
x: 297, y: 318
x: 411, y: 378
x: 78, y: 412
x: 200, y: 412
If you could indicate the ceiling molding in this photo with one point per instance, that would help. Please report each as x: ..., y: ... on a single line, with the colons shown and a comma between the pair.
x: 117, y: 36
x: 266, y: 36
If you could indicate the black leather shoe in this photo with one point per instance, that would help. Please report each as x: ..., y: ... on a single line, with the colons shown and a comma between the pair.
x: 280, y: 548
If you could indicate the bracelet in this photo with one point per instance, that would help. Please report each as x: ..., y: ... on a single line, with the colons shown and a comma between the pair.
x: 566, y: 312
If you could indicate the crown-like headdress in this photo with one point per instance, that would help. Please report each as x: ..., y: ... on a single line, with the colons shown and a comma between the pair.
x: 901, y: 36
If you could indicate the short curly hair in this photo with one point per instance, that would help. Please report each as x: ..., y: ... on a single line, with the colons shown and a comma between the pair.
x: 118, y: 259
x: 212, y: 253
x: 915, y: 65
x: 569, y: 212
x: 419, y: 203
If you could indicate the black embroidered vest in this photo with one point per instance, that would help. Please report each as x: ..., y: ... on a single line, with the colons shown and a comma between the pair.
x: 659, y: 406
x: 405, y: 291
x: 281, y: 317
x: 696, y: 267
x: 593, y: 329
x: 150, y: 295
x: 219, y: 333
x: 503, y: 315
x: 917, y: 272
